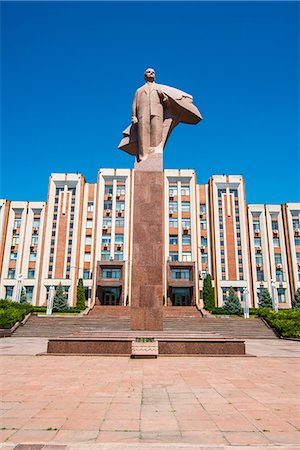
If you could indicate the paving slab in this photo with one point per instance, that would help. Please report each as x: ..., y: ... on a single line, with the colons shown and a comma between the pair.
x: 94, y: 402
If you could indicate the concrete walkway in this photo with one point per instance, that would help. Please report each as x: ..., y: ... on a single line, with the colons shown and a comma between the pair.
x: 95, y: 402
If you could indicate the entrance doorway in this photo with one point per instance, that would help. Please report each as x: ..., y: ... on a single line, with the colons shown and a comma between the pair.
x: 110, y: 296
x: 181, y: 296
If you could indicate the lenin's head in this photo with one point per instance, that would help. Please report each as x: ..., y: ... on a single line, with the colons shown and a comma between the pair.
x: 149, y: 75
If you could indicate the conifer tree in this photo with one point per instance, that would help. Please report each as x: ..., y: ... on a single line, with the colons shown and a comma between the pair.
x: 80, y: 301
x: 23, y: 297
x: 208, y: 293
x: 60, y: 302
x: 232, y: 304
x: 297, y: 299
x: 264, y: 299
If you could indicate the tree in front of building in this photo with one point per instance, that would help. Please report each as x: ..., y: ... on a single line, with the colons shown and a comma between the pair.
x: 264, y: 299
x: 23, y: 297
x: 80, y: 300
x: 297, y: 299
x: 232, y: 304
x: 208, y: 293
x: 60, y: 303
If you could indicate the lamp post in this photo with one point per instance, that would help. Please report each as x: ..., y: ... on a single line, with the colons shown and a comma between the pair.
x: 246, y: 307
x: 50, y: 301
x: 274, y: 296
x: 18, y: 289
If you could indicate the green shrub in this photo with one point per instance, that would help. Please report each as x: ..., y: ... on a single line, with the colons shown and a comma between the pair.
x: 60, y: 300
x: 286, y: 322
x: 264, y: 299
x: 80, y: 301
x: 208, y: 293
x: 8, y: 317
x: 232, y: 304
x: 296, y: 303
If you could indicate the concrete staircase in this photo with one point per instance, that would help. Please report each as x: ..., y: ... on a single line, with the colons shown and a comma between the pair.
x: 110, y: 311
x: 117, y: 318
x: 235, y: 328
x: 65, y: 326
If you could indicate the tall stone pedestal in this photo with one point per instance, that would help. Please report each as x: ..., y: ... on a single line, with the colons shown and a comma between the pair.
x: 147, y: 251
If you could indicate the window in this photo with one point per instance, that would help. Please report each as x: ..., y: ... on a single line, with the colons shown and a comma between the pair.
x: 186, y: 256
x: 86, y: 274
x: 204, y: 258
x: 111, y: 273
x: 258, y: 258
x: 173, y: 239
x: 11, y: 274
x: 36, y: 222
x: 32, y: 256
x: 296, y: 224
x: 88, y: 240
x: 15, y: 240
x: 260, y: 275
x: 53, y: 233
x: 119, y: 238
x: 121, y: 190
x: 107, y: 205
x: 204, y: 241
x: 278, y: 259
x: 203, y: 224
x: 222, y: 260
x: 281, y: 295
x: 34, y: 240
x: 298, y: 274
x: 182, y: 274
x: 173, y: 256
x: 186, y: 239
x: 276, y: 242
x: 70, y: 243
x: 29, y: 292
x: 87, y: 257
x: 90, y: 206
x: 31, y: 273
x: 120, y: 222
x: 279, y: 275
x: 120, y: 206
x: 173, y: 223
x: 173, y: 191
x: 89, y: 223
x: 202, y: 208
x: 298, y: 257
x: 107, y: 223
x: 108, y: 189
x: 185, y: 191
x: 105, y: 255
x: 185, y: 206
x: 240, y: 261
x: 9, y: 292
x: 186, y: 223
x: 119, y: 255
x: 17, y: 223
x: 13, y: 256
x: 256, y: 225
x: 257, y: 242
x: 106, y: 238
x: 173, y: 206
x: 297, y: 241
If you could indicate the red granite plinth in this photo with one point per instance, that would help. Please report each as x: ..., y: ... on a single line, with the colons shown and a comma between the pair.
x: 169, y: 343
x: 147, y: 249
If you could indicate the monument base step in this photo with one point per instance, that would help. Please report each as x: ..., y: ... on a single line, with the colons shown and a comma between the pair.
x: 169, y: 344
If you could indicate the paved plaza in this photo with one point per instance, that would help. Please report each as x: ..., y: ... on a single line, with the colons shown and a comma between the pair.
x: 90, y: 402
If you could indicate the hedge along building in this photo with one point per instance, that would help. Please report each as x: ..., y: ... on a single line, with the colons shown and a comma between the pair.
x: 84, y: 231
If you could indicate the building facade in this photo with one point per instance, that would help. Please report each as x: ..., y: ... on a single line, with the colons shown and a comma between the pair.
x: 84, y: 231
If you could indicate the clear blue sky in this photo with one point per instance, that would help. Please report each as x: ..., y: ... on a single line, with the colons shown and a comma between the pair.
x: 70, y: 70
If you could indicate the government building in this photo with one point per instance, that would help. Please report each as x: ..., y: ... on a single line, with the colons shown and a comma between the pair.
x: 84, y: 230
